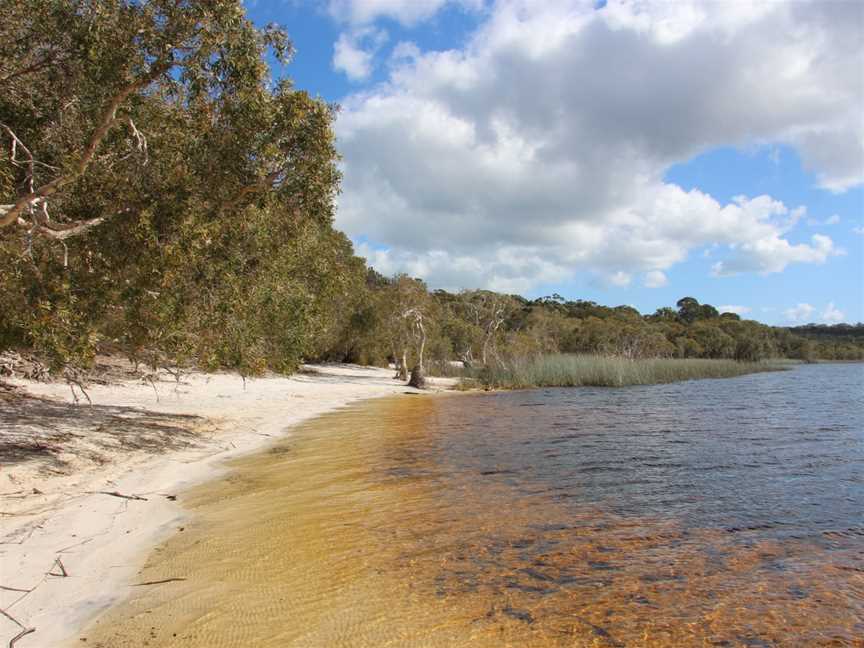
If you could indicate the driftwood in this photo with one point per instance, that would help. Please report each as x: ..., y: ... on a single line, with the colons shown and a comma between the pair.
x: 158, y: 582
x: 128, y: 497
x: 58, y: 563
x: 23, y: 633
x: 24, y: 629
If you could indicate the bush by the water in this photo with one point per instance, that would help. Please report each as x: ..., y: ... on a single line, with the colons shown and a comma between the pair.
x: 600, y: 371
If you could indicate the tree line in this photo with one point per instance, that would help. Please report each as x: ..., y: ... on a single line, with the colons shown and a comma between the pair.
x: 161, y: 196
x: 482, y: 328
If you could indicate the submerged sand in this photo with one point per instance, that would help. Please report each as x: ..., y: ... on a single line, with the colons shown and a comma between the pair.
x: 360, y: 530
x: 92, y: 488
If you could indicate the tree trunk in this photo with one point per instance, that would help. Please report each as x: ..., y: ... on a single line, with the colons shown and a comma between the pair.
x: 418, y: 380
x: 422, y: 345
x: 403, y: 365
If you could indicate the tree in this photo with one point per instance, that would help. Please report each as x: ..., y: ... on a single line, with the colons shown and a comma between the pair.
x: 714, y: 341
x: 688, y: 309
x: 406, y: 304
x: 160, y: 193
x: 110, y: 55
x: 488, y: 311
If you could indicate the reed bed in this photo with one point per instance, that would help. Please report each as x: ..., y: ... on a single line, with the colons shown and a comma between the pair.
x: 605, y: 371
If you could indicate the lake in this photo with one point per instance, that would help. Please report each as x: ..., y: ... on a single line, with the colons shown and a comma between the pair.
x: 715, y: 512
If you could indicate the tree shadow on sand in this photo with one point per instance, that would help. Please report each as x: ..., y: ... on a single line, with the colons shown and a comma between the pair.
x: 50, y: 432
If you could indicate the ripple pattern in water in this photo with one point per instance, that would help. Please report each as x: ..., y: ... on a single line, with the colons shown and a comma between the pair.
x: 715, y: 513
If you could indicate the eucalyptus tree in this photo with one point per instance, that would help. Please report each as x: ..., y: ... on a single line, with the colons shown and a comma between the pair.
x: 407, y: 306
x: 158, y: 190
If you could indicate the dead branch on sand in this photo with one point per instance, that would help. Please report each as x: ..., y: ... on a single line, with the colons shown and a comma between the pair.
x: 116, y: 494
x: 58, y: 563
x: 158, y: 582
x: 24, y: 629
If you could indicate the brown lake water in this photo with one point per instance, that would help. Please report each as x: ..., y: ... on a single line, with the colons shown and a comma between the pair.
x: 707, y: 513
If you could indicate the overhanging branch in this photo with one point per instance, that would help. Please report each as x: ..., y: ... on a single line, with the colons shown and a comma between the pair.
x: 108, y: 120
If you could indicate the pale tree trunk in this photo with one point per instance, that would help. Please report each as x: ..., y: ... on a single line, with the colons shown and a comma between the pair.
x: 403, y: 365
x: 422, y: 344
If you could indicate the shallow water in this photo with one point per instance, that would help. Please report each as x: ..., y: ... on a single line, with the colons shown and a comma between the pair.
x: 716, y: 513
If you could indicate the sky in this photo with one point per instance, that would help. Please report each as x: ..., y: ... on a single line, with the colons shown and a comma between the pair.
x: 625, y: 152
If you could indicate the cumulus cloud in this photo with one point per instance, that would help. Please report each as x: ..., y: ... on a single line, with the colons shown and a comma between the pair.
x: 620, y: 279
x: 354, y: 52
x: 773, y: 254
x: 543, y: 142
x: 799, y: 313
x: 832, y: 315
x: 406, y: 12
x: 655, y: 279
x: 858, y: 230
x: 738, y: 310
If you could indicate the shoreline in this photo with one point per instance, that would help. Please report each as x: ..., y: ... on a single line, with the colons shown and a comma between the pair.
x: 97, y: 522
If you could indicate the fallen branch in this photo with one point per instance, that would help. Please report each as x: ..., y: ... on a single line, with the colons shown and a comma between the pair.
x: 58, y: 563
x: 11, y: 618
x: 14, y: 589
x: 116, y: 494
x: 24, y: 629
x: 158, y: 582
x: 23, y: 633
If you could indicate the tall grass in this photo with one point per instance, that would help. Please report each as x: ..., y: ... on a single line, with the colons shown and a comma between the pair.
x: 603, y: 371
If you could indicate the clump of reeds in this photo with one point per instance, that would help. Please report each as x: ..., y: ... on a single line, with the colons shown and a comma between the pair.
x: 606, y: 371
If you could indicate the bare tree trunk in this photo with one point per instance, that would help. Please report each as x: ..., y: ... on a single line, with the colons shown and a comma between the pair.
x: 422, y: 343
x: 403, y: 365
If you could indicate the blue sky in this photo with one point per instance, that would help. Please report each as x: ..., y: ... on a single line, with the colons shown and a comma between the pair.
x: 632, y: 153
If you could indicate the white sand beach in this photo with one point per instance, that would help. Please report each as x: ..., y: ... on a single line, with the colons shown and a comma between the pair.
x: 96, y: 486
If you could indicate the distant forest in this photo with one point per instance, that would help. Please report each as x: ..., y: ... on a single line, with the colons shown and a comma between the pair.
x: 163, y: 198
x: 400, y: 316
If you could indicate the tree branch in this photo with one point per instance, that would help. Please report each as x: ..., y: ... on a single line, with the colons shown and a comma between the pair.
x: 107, y: 121
x: 35, y: 67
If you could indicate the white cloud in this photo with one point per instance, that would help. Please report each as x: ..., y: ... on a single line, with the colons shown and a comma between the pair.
x: 406, y: 12
x: 773, y: 254
x: 354, y: 52
x: 799, y: 313
x: 510, y: 269
x: 858, y: 230
x: 549, y: 133
x: 831, y: 220
x: 404, y: 52
x: 619, y: 279
x: 738, y: 310
x: 655, y: 279
x: 832, y: 315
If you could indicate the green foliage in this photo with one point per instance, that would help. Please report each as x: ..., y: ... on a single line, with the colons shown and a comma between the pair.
x: 488, y: 331
x: 214, y: 244
x: 606, y: 371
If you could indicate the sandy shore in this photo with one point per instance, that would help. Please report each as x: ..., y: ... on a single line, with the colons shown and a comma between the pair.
x: 96, y: 486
